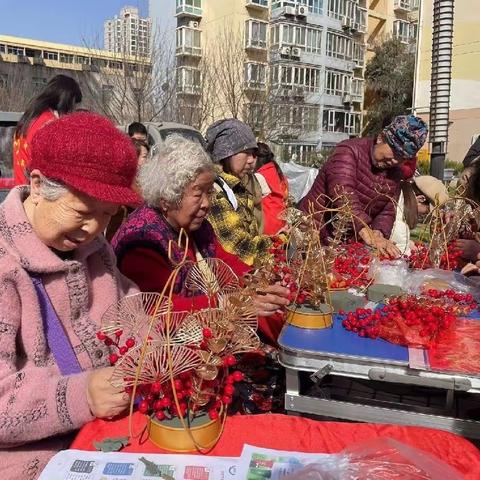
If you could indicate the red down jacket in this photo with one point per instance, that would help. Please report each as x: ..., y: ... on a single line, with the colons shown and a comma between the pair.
x: 350, y: 169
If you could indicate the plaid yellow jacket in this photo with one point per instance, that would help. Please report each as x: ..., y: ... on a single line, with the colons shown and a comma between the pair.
x: 237, y: 228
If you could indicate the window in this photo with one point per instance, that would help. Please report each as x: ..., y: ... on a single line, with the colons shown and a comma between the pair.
x: 314, y: 40
x: 193, y: 7
x: 308, y: 38
x: 82, y: 60
x: 337, y: 83
x: 66, y: 58
x: 188, y: 80
x: 255, y: 75
x: 339, y: 46
x: 3, y: 80
x: 340, y: 121
x: 315, y: 6
x: 295, y: 117
x: 255, y: 34
x: 115, y: 65
x: 261, y: 3
x: 299, y: 76
x: 357, y: 89
x: 336, y: 9
x: 358, y: 54
x: 404, y: 31
x: 13, y: 50
x: 50, y: 55
x: 3, y: 48
x: 189, y: 41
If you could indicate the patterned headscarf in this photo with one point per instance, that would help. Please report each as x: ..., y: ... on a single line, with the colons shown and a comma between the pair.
x: 406, y: 135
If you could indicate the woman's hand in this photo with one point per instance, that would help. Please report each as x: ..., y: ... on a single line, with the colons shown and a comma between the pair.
x: 375, y: 239
x: 105, y: 400
x: 272, y: 299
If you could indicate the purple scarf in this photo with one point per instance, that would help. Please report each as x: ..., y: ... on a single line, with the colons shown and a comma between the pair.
x: 146, y: 227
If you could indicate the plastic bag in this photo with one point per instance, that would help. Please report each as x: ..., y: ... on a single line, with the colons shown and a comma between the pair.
x: 441, y: 280
x: 389, y: 272
x: 300, y: 178
x: 379, y: 459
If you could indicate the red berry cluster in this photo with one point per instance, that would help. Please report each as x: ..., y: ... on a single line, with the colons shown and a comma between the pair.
x: 419, y: 257
x: 351, y: 266
x: 283, y: 272
x: 115, y: 343
x: 405, y: 320
x: 460, y: 303
x: 158, y: 399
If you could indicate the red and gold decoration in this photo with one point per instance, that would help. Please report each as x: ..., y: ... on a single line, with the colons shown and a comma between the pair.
x: 179, y: 367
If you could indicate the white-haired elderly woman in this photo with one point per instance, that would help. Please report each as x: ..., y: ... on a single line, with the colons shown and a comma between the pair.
x: 177, y: 184
x: 57, y: 278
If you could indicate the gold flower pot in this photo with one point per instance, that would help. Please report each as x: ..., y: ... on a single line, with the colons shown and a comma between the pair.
x: 170, y: 435
x: 307, y: 317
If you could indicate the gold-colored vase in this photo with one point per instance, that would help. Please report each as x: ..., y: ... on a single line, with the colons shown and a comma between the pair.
x: 300, y: 316
x: 177, y: 439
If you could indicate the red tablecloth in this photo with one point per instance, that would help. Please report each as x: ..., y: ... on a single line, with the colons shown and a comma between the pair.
x: 300, y: 434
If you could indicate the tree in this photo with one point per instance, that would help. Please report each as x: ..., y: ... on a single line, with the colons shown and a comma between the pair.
x: 389, y: 84
x: 130, y: 88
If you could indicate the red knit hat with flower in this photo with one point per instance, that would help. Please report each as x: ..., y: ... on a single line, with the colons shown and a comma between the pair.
x: 87, y: 152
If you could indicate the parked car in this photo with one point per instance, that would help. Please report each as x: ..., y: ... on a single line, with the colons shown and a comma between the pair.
x: 8, y: 122
x: 158, y: 131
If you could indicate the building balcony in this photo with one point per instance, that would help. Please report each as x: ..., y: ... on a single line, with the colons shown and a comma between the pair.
x: 255, y: 44
x: 403, y: 6
x: 185, y: 89
x: 189, y: 8
x: 257, y: 4
x: 188, y: 51
x: 254, y: 85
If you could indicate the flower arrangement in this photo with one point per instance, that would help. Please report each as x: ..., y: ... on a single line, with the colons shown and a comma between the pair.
x: 179, y: 367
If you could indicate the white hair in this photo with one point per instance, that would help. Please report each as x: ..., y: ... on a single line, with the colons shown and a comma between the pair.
x: 52, y: 189
x: 174, y: 164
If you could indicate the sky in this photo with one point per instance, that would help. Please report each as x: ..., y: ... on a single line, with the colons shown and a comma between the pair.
x: 75, y: 22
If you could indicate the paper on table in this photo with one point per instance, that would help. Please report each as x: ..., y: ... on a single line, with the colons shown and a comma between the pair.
x: 262, y: 463
x: 83, y: 465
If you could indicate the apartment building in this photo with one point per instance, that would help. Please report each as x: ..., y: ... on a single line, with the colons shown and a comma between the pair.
x: 27, y: 65
x: 128, y: 33
x: 464, y: 116
x: 392, y: 18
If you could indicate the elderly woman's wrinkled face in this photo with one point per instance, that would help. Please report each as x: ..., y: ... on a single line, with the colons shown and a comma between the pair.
x: 194, y: 206
x: 72, y: 220
x: 241, y: 164
x: 383, y: 156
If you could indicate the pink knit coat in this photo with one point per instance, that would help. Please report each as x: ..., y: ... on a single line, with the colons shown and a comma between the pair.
x: 36, y: 401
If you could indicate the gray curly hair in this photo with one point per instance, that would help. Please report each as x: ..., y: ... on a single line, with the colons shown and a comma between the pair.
x: 173, y: 165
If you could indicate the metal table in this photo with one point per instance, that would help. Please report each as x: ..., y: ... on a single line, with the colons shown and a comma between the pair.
x: 335, y: 353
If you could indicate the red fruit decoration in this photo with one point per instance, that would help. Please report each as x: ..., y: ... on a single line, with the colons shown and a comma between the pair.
x: 419, y: 258
x: 407, y: 320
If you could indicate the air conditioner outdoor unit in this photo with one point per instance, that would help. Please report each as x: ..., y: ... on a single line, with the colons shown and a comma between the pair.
x: 302, y: 10
x: 290, y: 11
x: 346, y: 22
x: 295, y: 52
x: 193, y: 24
x: 285, y: 51
x: 347, y: 98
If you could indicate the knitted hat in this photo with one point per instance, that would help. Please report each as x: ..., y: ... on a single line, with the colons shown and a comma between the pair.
x: 406, y: 135
x: 228, y: 137
x: 86, y: 152
x: 432, y: 188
